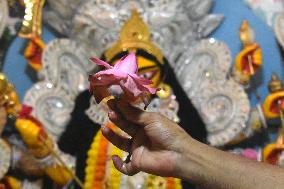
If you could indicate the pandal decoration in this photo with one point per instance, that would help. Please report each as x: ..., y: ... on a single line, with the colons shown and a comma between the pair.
x: 83, y: 23
x: 274, y: 102
x: 273, y: 107
x: 43, y: 148
x: 40, y: 145
x: 249, y: 60
x: 8, y: 96
x: 32, y: 29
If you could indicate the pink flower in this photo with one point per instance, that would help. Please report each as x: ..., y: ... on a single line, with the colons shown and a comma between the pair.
x: 249, y: 153
x: 121, y: 78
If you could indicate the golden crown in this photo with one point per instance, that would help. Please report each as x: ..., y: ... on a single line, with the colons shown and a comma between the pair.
x: 134, y: 34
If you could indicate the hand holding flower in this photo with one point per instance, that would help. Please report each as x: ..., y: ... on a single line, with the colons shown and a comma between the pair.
x: 121, y: 79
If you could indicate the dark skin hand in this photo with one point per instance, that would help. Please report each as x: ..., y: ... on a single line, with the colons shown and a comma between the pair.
x: 159, y: 146
x: 154, y: 141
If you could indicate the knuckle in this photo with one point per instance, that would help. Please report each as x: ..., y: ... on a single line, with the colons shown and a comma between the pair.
x: 153, y: 116
x: 135, y: 164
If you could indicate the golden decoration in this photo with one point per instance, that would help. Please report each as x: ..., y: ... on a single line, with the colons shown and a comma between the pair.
x: 247, y: 35
x: 33, y: 52
x: 274, y: 102
x: 8, y: 96
x: 249, y: 60
x: 134, y: 35
x: 12, y: 182
x: 165, y: 91
x: 273, y: 107
x: 32, y: 23
x: 275, y: 84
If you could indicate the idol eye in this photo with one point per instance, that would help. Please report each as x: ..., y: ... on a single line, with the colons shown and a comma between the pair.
x: 147, y: 75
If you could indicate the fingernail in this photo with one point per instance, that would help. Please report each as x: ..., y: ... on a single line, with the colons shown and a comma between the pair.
x: 104, y: 128
x: 111, y: 114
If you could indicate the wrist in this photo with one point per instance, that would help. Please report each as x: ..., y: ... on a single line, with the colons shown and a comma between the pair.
x: 189, y: 164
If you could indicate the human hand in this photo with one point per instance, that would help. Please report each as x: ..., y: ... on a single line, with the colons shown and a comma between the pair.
x: 155, y: 142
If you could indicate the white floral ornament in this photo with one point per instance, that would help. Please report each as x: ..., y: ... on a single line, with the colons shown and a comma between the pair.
x: 222, y: 103
x: 4, y: 15
x: 51, y: 106
x: 167, y: 107
x: 5, y: 158
x: 266, y: 9
x: 97, y: 23
x: 279, y: 28
x: 65, y: 64
x: 225, y: 110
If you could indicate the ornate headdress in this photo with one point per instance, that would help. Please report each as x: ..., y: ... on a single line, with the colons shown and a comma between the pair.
x: 134, y: 35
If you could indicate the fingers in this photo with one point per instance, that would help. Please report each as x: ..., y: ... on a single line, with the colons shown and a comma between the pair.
x: 121, y: 142
x: 123, y: 124
x: 135, y: 115
x: 125, y: 168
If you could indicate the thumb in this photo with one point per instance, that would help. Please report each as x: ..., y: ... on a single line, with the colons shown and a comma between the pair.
x: 136, y: 115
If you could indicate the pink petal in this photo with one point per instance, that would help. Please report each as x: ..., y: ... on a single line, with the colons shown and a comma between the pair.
x: 101, y: 63
x: 147, y: 89
x: 112, y: 72
x: 131, y: 86
x: 141, y: 80
x: 127, y: 64
x: 108, y: 77
x: 151, y: 90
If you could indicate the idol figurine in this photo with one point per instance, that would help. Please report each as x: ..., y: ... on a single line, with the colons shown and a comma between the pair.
x: 34, y: 155
x: 85, y: 141
x: 249, y: 60
x: 273, y: 108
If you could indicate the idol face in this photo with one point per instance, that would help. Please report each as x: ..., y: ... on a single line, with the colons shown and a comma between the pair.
x: 150, y: 70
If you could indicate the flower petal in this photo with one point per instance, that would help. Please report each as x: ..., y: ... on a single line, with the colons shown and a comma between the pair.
x: 131, y: 86
x: 101, y: 63
x: 108, y: 77
x: 127, y: 64
x: 143, y: 84
x: 141, y: 80
x: 121, y: 79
